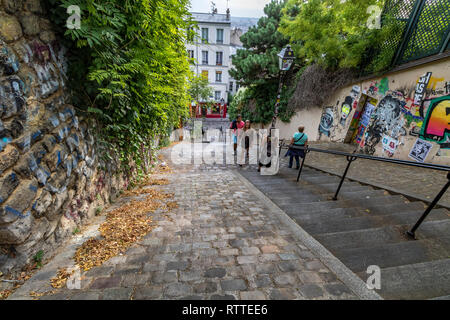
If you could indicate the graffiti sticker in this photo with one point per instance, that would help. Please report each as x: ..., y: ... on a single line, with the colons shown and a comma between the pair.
x: 421, y: 87
x: 389, y: 144
x: 420, y: 150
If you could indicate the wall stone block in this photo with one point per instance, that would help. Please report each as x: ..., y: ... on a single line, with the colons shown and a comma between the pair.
x: 10, y: 29
x: 8, y: 157
x: 8, y: 183
x: 30, y: 24
x: 16, y: 232
x: 19, y: 203
x: 11, y: 6
x: 50, y: 172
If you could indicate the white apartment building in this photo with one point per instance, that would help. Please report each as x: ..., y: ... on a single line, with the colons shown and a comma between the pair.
x: 211, y: 51
x: 216, y: 42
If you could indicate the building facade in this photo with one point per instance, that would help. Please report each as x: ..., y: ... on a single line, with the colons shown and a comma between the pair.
x: 211, y: 52
x: 216, y: 41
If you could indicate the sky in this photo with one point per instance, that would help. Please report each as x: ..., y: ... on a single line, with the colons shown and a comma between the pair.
x: 239, y: 8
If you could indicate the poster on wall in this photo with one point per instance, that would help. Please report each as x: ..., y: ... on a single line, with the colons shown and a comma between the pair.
x: 389, y: 144
x: 421, y: 87
x: 420, y: 150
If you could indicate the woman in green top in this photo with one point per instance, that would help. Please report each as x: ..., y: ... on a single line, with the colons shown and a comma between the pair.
x: 299, y: 139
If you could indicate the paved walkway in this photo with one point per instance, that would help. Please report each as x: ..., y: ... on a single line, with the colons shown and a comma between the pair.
x: 412, y: 181
x: 223, y: 242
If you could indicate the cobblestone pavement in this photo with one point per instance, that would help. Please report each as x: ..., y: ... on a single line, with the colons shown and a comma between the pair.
x: 408, y: 180
x: 221, y: 243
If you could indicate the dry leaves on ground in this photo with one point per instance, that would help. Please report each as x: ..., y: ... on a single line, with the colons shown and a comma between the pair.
x: 172, y: 205
x: 35, y: 294
x: 123, y: 227
x: 4, y: 294
x: 61, y: 278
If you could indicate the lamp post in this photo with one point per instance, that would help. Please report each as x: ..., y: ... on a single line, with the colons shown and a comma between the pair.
x: 286, y: 59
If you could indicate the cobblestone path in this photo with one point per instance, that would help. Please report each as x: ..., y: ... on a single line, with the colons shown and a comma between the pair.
x: 221, y: 243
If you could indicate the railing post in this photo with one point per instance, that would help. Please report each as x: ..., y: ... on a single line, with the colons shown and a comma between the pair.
x: 350, y: 159
x: 412, y: 233
x: 303, y: 162
x: 279, y: 151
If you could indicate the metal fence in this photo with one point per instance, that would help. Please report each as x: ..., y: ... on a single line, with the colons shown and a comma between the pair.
x: 423, y: 25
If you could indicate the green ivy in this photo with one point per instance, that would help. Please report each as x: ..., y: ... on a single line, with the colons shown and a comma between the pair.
x: 128, y: 68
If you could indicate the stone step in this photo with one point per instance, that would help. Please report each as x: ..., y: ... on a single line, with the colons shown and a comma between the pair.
x: 336, y: 213
x: 332, y: 187
x: 398, y: 218
x: 365, y: 221
x: 359, y: 195
x: 426, y: 280
x: 285, y: 201
x: 392, y: 255
x: 383, y: 235
x: 374, y: 202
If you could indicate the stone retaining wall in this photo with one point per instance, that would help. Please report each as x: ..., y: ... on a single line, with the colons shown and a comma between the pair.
x: 50, y: 181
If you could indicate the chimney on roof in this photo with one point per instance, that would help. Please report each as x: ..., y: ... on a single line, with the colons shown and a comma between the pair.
x: 228, y: 14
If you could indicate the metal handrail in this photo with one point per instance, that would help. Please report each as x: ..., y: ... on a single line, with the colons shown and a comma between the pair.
x: 354, y: 156
x: 365, y: 156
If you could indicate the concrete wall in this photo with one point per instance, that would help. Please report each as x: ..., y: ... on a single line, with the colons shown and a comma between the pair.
x: 50, y: 177
x: 389, y: 116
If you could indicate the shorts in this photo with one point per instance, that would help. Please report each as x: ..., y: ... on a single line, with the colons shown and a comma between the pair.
x: 234, y: 139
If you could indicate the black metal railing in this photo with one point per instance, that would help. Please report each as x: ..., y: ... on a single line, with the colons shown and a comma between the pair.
x: 354, y: 156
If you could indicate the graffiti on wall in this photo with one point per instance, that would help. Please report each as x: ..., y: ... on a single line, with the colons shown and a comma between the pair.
x: 350, y: 102
x: 378, y: 87
x: 326, y: 121
x: 436, y: 126
x: 421, y: 87
x: 387, y: 120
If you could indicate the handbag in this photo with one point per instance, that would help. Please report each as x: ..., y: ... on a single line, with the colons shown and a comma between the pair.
x: 290, y: 146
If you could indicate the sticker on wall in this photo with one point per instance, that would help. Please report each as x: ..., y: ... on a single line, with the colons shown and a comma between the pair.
x: 421, y: 87
x: 420, y: 150
x: 389, y: 144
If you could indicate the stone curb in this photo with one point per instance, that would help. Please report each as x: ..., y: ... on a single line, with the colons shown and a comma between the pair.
x: 381, y: 186
x: 350, y: 279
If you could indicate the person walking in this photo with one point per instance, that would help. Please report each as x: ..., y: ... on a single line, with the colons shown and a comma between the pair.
x: 300, y: 139
x: 246, y: 141
x: 236, y: 127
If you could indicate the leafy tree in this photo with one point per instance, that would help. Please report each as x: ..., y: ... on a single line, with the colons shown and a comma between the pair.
x: 199, y: 88
x: 128, y: 67
x: 334, y: 33
x: 257, y: 67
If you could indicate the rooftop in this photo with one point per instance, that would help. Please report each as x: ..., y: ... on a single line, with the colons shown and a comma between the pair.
x: 242, y: 23
x: 209, y: 17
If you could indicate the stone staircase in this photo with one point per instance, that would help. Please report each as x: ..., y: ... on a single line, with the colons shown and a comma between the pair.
x: 366, y: 226
x: 221, y: 124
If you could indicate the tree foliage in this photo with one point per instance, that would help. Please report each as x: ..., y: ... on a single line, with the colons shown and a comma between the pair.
x: 199, y: 88
x: 128, y: 67
x: 257, y: 67
x: 335, y: 33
